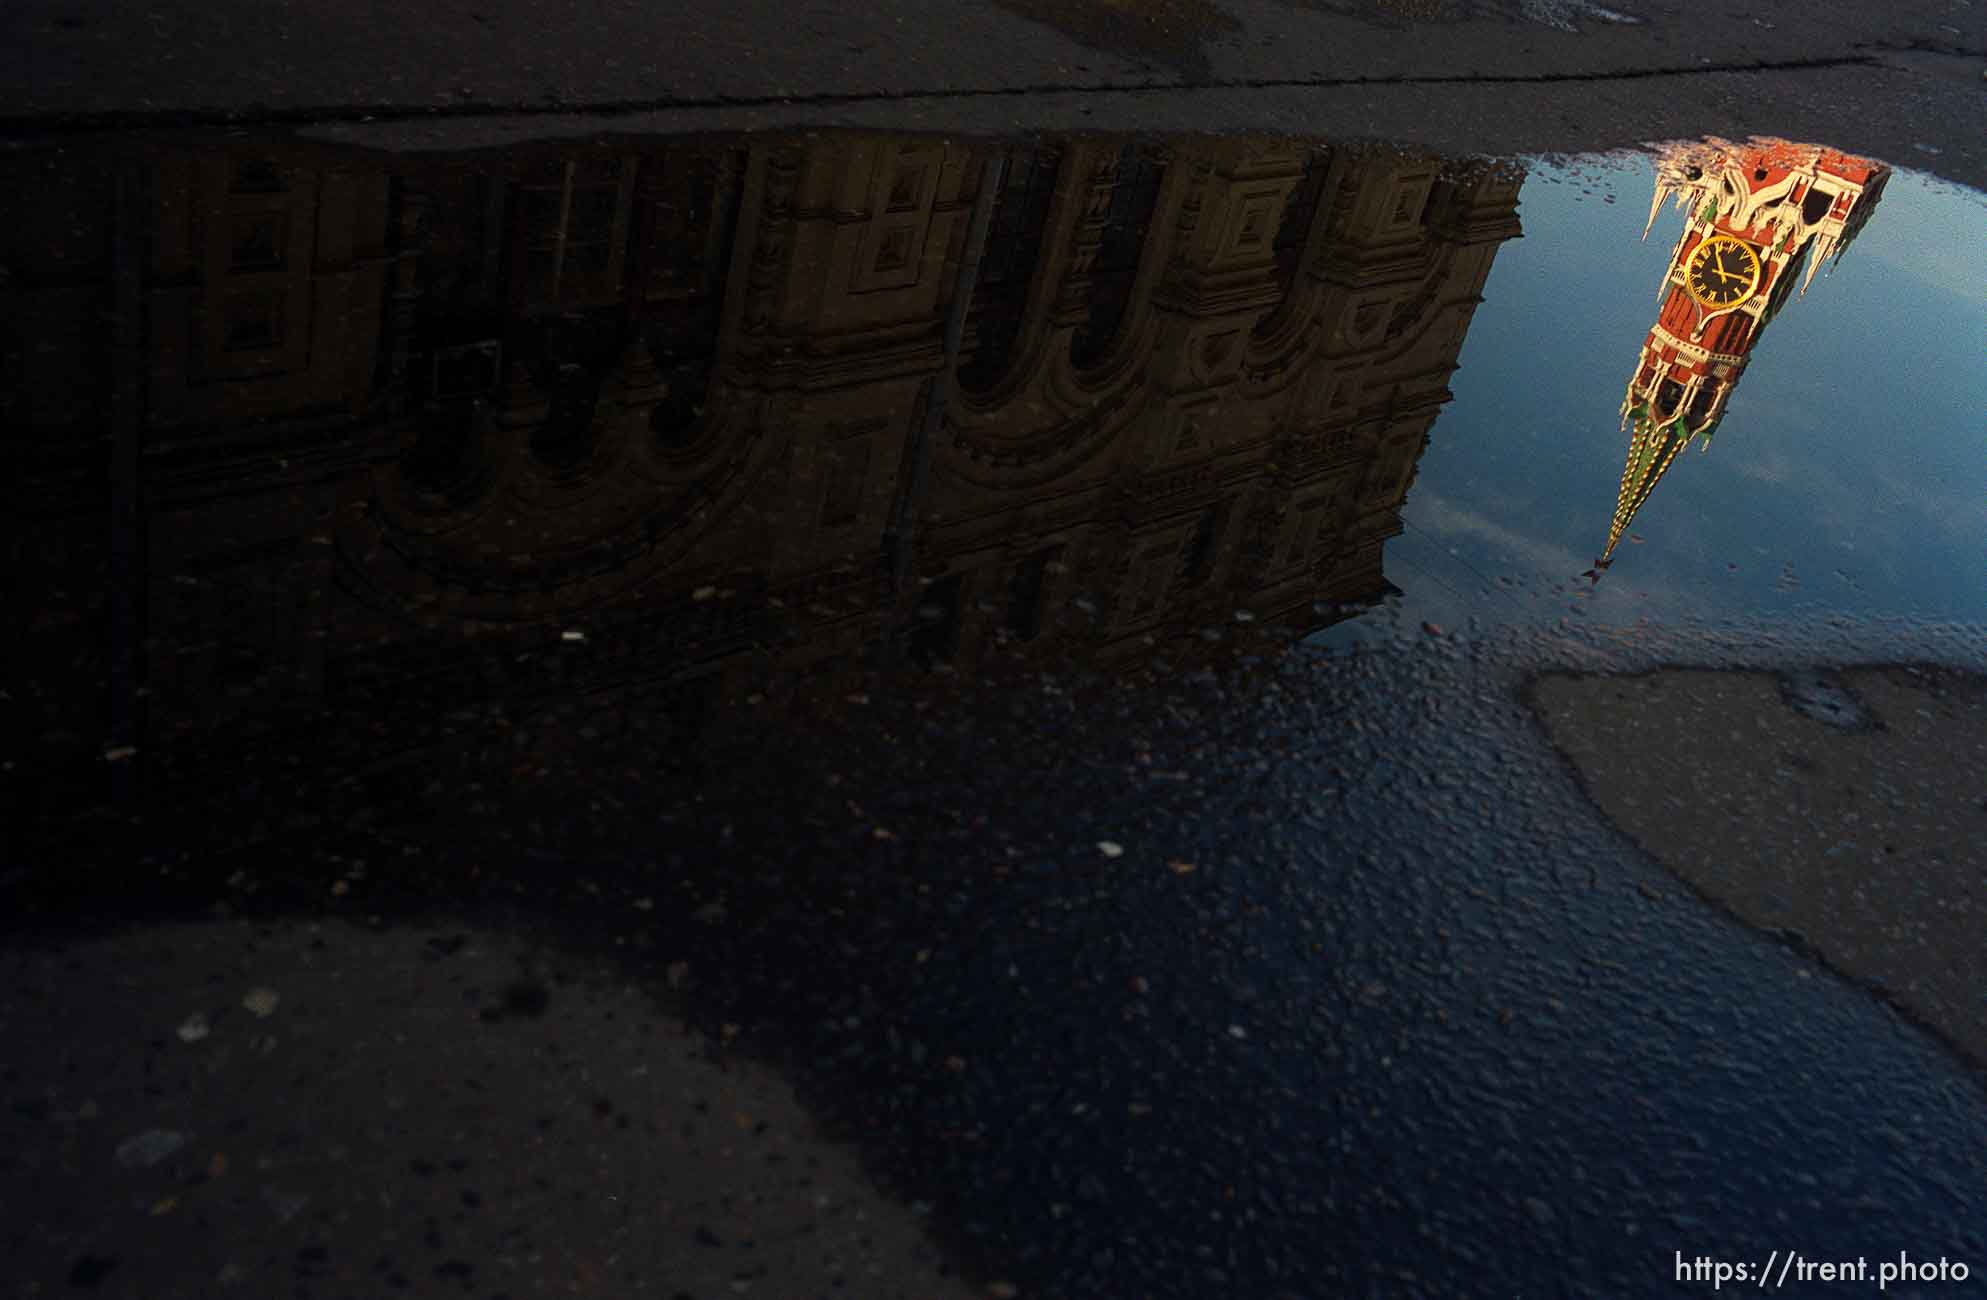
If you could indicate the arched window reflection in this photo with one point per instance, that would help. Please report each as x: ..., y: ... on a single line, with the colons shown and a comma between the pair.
x: 1115, y: 268
x: 566, y: 438
x: 1014, y: 242
x: 689, y: 222
x: 446, y: 456
x: 1200, y: 553
x: 1292, y: 232
x: 1025, y: 593
x: 686, y: 384
x: 934, y: 639
x: 570, y: 358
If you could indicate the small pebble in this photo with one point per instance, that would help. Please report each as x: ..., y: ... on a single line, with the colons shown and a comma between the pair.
x: 149, y: 1147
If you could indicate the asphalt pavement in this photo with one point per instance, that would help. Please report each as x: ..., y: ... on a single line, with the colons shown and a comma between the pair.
x: 1322, y: 976
x: 1901, y: 81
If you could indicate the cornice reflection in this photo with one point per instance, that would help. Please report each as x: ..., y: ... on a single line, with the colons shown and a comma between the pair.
x: 369, y: 440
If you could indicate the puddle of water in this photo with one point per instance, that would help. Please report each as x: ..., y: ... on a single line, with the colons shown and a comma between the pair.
x: 329, y: 457
x: 313, y: 438
x: 753, y: 413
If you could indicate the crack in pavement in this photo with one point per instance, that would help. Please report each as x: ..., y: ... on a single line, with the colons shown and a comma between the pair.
x: 120, y: 119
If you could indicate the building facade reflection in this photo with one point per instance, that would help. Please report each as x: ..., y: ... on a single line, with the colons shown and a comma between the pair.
x: 1762, y: 218
x: 306, y: 435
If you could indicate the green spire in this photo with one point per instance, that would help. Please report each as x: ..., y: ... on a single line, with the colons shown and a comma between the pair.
x: 1651, y: 448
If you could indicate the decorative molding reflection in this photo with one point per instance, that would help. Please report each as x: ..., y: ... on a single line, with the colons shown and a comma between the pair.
x: 672, y: 409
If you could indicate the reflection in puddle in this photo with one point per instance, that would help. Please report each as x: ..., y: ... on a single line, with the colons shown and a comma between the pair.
x: 312, y: 441
x: 1245, y: 984
x: 1848, y: 491
x: 1762, y: 219
x: 730, y: 418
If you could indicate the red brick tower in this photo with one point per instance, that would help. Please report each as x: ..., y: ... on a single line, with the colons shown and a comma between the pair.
x: 1763, y: 217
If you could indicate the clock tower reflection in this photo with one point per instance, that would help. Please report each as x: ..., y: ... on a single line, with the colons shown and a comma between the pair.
x: 1762, y: 218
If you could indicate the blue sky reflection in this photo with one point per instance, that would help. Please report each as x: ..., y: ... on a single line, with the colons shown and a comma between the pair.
x: 1849, y: 475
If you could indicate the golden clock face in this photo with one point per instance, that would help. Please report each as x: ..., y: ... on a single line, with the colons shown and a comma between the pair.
x: 1722, y: 272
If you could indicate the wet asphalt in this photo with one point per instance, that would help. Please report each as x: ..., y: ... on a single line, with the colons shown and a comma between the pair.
x: 1900, y: 80
x: 1314, y: 977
